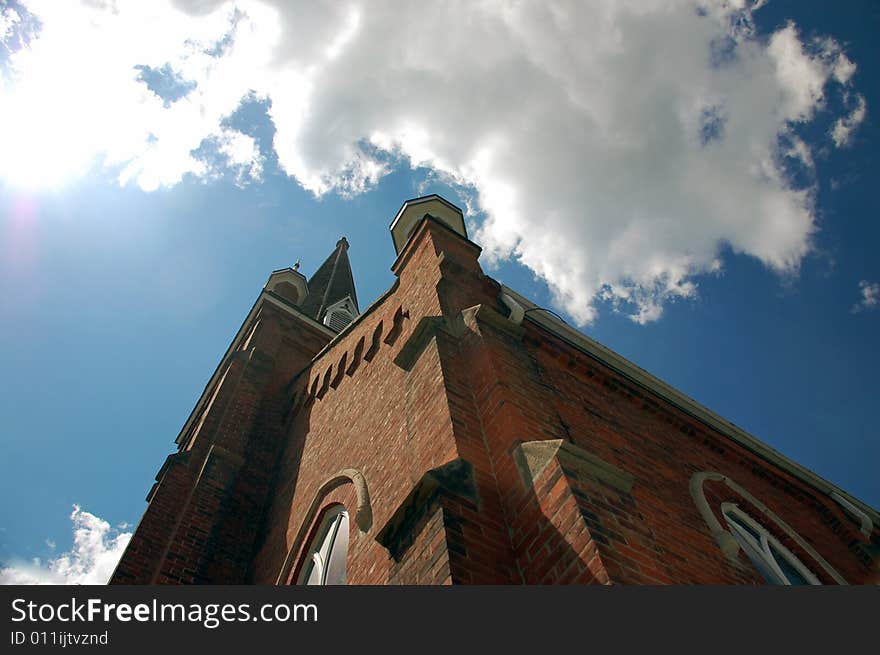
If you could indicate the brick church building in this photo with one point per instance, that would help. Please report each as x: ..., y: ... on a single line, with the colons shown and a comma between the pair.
x: 455, y: 433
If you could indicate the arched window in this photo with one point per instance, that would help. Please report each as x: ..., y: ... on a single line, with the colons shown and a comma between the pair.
x: 327, y: 553
x: 774, y: 561
x: 288, y: 291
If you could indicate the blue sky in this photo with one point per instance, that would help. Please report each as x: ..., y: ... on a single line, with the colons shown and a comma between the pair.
x: 695, y: 191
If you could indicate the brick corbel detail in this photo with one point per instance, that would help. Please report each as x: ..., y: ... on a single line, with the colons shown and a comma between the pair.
x: 488, y: 316
x: 422, y: 335
x: 564, y: 537
x: 532, y: 457
x: 454, y: 479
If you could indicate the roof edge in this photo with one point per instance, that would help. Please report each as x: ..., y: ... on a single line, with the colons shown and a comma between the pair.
x: 689, y: 406
x: 265, y: 296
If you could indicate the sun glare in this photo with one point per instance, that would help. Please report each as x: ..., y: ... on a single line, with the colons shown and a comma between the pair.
x: 44, y: 122
x: 72, y: 99
x: 35, y: 153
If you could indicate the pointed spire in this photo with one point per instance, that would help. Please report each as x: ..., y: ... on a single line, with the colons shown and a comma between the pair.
x: 331, y: 283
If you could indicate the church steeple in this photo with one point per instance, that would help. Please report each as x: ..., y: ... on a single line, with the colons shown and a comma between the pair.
x: 332, y: 299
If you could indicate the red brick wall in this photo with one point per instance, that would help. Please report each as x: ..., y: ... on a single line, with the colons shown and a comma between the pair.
x: 430, y: 396
x: 542, y: 388
x: 394, y: 423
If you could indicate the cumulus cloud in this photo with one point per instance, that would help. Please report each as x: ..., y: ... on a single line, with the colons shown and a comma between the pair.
x: 79, y: 94
x: 870, y: 296
x: 96, y: 550
x: 615, y: 148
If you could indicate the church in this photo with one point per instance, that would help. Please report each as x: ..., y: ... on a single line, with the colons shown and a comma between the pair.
x: 453, y: 432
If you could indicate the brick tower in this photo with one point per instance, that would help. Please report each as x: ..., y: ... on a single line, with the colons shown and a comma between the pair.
x: 455, y: 433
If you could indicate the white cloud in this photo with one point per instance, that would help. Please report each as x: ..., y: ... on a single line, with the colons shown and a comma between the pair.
x: 846, y: 125
x: 77, y: 98
x: 843, y: 67
x: 96, y: 550
x: 615, y: 147
x: 236, y: 153
x: 9, y: 18
x: 870, y: 292
x: 801, y: 78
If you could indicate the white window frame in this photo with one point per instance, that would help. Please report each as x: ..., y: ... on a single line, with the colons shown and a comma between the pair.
x: 322, y: 547
x: 762, y: 547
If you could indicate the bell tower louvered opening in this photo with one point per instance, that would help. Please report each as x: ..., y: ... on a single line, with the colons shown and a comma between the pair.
x: 340, y: 314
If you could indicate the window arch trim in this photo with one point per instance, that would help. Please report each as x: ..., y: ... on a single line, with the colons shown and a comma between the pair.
x: 728, y: 543
x: 363, y: 517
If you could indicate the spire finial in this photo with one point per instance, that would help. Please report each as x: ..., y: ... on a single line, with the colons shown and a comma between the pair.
x: 296, y: 265
x: 342, y: 242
